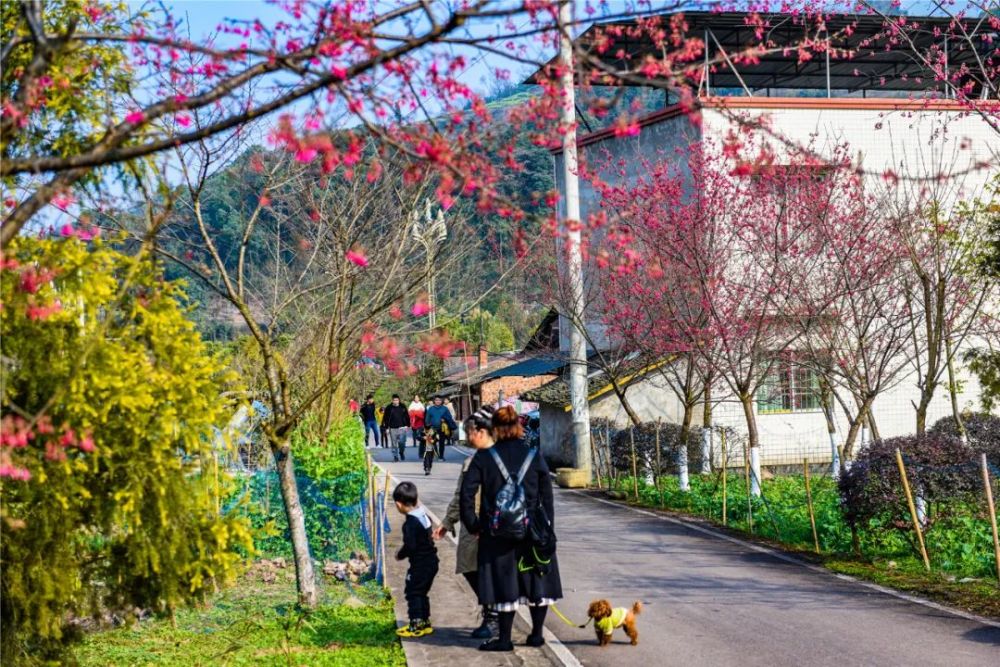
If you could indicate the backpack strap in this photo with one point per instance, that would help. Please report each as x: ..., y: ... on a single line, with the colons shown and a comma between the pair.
x: 524, y: 466
x: 503, y: 468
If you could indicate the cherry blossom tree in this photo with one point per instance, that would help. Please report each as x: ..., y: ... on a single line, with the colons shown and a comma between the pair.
x: 857, y: 334
x: 712, y: 250
x: 947, y: 301
x: 321, y: 271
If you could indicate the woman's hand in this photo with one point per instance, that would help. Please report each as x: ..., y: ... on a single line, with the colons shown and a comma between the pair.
x: 439, y: 532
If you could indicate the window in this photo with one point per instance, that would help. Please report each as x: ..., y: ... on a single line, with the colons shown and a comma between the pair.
x: 789, y: 388
x: 792, y: 193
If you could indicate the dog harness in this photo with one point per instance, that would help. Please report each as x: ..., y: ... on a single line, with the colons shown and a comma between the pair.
x: 615, y: 620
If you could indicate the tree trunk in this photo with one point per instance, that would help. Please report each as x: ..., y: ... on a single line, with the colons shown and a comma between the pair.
x: 925, y: 400
x: 706, y: 426
x: 620, y: 393
x: 831, y: 430
x: 682, y: 450
x: 872, y: 424
x: 855, y: 425
x: 746, y: 399
x: 305, y: 577
x: 953, y: 392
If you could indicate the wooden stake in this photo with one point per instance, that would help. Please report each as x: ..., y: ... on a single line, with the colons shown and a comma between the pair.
x: 635, y: 470
x: 809, y: 501
x: 913, y: 510
x: 382, y: 541
x: 371, y: 503
x: 746, y: 474
x: 993, y: 512
x: 597, y: 461
x: 659, y: 489
x: 725, y: 473
x: 609, y: 462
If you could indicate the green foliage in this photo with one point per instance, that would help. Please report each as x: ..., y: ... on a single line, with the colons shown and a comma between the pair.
x: 985, y: 362
x: 982, y: 429
x: 253, y: 625
x: 986, y: 365
x: 959, y: 542
x: 341, y: 453
x: 72, y: 95
x: 331, y: 480
x: 940, y: 469
x: 123, y: 396
x: 481, y: 326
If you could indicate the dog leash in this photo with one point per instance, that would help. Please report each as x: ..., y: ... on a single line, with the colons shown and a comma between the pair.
x: 566, y: 620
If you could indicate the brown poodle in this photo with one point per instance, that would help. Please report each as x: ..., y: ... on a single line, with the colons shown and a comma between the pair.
x: 606, y: 620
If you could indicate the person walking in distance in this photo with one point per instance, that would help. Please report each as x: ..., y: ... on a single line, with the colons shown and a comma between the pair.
x: 435, y: 418
x: 450, y: 437
x: 416, y: 411
x: 517, y: 558
x: 397, y: 420
x: 479, y: 432
x: 370, y: 419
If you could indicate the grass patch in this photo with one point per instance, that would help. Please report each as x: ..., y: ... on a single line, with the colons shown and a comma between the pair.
x: 257, y: 623
x: 979, y: 597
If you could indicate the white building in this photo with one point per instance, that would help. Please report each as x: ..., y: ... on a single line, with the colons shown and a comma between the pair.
x: 890, y: 127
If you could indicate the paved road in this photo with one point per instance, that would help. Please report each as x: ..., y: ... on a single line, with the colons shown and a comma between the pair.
x: 709, y: 601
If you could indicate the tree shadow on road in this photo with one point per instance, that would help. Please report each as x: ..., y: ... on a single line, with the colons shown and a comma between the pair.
x: 984, y: 634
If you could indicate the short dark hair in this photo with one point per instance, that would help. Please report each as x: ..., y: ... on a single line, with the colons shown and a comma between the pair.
x: 395, y: 395
x: 481, y: 420
x: 406, y: 493
x: 369, y: 397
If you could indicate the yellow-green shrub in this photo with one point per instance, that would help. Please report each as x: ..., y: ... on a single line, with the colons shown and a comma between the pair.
x: 109, y: 399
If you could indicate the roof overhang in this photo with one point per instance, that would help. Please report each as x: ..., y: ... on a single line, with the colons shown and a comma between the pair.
x: 859, y: 61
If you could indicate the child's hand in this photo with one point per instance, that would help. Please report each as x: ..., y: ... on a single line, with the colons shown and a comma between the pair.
x: 439, y: 532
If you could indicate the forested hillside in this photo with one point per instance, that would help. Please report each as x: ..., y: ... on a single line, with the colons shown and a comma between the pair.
x: 488, y: 240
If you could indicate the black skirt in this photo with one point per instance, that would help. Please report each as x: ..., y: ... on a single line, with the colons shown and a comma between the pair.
x: 509, y: 571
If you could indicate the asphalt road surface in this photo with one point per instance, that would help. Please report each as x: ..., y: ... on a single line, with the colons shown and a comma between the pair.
x: 710, y: 601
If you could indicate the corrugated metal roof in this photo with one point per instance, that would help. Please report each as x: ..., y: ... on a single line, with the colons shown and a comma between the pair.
x: 529, y: 368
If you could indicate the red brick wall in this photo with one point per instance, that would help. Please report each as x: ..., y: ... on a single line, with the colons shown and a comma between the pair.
x: 511, y: 386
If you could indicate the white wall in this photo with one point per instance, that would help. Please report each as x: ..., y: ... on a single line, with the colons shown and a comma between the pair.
x: 616, y: 160
x: 785, y: 438
x: 910, y: 142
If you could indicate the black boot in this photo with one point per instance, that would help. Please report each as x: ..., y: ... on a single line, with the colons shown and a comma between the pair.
x: 505, y: 621
x: 488, y: 627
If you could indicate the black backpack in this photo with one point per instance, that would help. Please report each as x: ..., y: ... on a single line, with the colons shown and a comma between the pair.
x: 510, y: 513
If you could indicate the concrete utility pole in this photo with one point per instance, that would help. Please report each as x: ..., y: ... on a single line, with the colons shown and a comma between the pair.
x: 574, y: 269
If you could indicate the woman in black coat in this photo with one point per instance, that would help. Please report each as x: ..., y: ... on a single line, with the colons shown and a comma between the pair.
x: 511, y: 572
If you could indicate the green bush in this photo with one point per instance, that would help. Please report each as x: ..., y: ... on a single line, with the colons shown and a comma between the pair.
x: 959, y: 542
x: 983, y: 431
x: 644, y: 438
x: 110, y: 399
x: 331, y: 476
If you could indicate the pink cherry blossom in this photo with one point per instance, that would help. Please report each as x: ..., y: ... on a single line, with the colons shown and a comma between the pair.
x: 356, y: 257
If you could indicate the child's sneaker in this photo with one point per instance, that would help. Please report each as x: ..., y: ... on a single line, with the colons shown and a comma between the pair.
x: 415, y: 629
